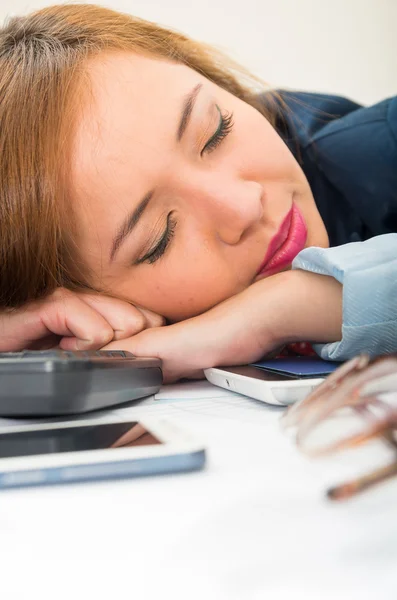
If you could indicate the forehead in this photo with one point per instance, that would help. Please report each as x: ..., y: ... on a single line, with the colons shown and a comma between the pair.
x: 129, y: 97
x: 125, y: 128
x: 121, y: 78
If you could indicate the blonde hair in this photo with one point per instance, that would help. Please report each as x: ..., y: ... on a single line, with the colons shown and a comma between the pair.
x: 42, y: 58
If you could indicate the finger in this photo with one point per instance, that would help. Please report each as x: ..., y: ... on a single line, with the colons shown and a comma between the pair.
x: 152, y: 318
x: 80, y: 326
x: 24, y: 328
x: 125, y: 319
x: 142, y: 344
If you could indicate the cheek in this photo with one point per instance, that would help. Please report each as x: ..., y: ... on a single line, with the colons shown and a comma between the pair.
x: 263, y: 156
x: 182, y: 291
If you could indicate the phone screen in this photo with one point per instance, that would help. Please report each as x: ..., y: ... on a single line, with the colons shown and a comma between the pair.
x: 74, y: 439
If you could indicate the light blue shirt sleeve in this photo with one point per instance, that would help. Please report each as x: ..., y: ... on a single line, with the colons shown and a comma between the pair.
x: 368, y: 272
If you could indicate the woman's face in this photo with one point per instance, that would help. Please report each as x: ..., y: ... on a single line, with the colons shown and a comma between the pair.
x: 181, y: 190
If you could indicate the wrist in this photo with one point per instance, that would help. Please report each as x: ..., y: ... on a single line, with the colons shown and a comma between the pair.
x: 304, y: 306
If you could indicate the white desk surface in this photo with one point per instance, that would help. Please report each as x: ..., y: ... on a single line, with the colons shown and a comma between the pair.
x: 253, y: 525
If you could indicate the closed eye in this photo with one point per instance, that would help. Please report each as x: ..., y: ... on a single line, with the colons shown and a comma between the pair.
x: 162, y: 245
x: 224, y: 128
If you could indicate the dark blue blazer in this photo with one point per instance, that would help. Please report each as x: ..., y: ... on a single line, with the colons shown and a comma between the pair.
x: 349, y: 156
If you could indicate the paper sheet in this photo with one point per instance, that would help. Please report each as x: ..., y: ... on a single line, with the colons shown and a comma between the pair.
x: 192, y: 389
x: 199, y: 399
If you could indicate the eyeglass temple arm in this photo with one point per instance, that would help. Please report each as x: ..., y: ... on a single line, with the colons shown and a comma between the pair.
x: 351, y: 488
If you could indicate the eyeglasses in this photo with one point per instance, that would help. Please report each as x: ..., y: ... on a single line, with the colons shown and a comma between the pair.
x: 352, y: 406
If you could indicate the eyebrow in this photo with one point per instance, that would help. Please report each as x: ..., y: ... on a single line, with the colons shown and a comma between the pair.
x: 133, y: 218
x: 187, y: 109
x: 128, y: 225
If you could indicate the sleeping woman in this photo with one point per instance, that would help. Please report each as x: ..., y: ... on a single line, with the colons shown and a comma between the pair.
x: 153, y: 200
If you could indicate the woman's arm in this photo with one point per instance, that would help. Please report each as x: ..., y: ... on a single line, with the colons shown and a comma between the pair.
x: 344, y: 297
x: 289, y: 306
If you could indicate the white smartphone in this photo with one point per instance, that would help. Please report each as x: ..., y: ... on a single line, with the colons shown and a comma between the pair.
x: 90, y: 449
x: 271, y: 387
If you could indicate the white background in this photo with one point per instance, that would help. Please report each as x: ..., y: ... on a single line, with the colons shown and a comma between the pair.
x: 339, y: 46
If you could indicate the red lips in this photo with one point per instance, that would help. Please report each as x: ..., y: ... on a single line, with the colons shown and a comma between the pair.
x: 289, y: 240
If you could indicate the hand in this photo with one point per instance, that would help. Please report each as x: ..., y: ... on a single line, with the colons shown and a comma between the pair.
x: 219, y: 336
x: 287, y: 307
x: 72, y: 321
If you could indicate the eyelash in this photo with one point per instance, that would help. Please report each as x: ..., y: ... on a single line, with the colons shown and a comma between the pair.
x: 163, y: 243
x: 225, y: 127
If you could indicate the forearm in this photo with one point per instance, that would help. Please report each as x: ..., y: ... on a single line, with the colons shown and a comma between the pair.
x: 285, y: 307
x: 297, y: 305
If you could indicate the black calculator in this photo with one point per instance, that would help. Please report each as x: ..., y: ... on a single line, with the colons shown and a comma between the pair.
x: 44, y: 383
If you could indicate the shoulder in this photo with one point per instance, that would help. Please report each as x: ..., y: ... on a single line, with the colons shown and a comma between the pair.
x: 358, y: 155
x: 301, y: 115
x: 307, y: 117
x: 375, y: 124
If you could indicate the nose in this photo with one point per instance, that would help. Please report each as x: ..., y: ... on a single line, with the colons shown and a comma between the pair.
x: 230, y: 209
